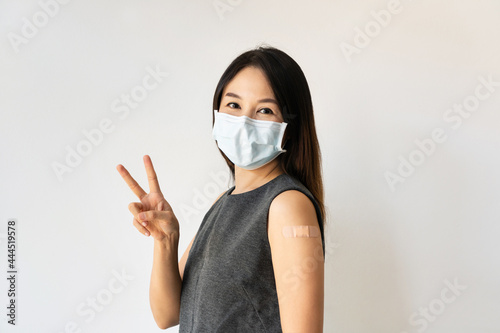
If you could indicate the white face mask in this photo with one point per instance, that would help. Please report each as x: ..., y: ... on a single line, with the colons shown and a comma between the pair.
x: 247, y: 142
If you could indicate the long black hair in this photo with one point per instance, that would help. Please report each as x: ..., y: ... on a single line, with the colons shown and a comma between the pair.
x: 303, y: 157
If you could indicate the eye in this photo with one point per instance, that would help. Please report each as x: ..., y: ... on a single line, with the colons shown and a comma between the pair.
x: 267, y: 111
x: 231, y: 103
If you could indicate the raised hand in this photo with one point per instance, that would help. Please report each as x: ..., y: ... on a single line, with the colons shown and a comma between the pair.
x: 152, y: 215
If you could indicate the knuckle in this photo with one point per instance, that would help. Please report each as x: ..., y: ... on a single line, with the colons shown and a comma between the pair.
x: 139, y: 227
x: 171, y: 217
x: 134, y: 207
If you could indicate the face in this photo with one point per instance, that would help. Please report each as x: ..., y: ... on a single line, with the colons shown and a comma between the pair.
x: 249, y: 94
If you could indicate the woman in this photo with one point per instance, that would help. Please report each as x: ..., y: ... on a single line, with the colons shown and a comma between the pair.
x: 256, y: 263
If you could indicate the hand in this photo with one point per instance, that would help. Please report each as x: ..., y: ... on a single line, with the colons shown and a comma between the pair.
x: 153, y: 215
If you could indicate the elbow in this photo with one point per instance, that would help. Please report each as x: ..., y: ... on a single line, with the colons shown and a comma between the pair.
x: 164, y: 323
x: 166, y: 314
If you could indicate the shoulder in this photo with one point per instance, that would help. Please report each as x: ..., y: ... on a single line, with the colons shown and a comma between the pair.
x: 292, y: 202
x: 293, y: 210
x: 289, y: 209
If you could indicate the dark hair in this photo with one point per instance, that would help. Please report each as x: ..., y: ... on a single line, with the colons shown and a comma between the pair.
x: 303, y: 157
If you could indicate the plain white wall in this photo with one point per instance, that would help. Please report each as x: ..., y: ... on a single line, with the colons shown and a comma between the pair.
x: 409, y: 248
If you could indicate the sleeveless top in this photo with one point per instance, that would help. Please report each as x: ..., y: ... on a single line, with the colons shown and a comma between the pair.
x: 228, y: 283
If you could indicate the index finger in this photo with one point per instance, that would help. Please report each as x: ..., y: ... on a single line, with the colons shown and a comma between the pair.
x: 136, y: 188
x: 152, y: 179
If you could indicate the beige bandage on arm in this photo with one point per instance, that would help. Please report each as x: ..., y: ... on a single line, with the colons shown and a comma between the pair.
x: 292, y: 231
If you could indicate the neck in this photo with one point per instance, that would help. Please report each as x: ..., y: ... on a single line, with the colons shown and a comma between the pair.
x: 247, y: 180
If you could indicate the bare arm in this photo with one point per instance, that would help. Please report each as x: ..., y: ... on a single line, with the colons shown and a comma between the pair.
x: 298, y: 263
x: 166, y: 283
x: 154, y: 216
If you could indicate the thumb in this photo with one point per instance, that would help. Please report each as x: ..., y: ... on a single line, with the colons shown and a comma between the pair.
x: 135, y: 208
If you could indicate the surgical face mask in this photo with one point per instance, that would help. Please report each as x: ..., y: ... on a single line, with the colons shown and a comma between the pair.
x: 247, y: 142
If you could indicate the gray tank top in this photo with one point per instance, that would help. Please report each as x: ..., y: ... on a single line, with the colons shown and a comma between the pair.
x: 228, y: 283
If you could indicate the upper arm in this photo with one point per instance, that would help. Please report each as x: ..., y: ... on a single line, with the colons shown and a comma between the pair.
x: 182, y: 262
x: 298, y: 263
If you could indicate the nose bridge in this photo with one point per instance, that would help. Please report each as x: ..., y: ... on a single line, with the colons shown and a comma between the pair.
x: 248, y: 109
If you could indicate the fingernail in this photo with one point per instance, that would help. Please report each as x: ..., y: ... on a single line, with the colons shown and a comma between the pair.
x: 146, y: 233
x: 142, y: 216
x: 144, y: 223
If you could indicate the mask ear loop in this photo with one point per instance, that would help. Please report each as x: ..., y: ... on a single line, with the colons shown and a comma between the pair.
x: 287, y: 118
x: 285, y: 137
x: 284, y: 144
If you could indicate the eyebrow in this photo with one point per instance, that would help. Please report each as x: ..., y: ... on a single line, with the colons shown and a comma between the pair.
x: 265, y: 100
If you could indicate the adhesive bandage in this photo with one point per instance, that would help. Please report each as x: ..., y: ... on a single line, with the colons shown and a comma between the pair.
x: 292, y: 231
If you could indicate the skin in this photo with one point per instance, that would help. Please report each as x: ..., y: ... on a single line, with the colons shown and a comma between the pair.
x: 297, y: 262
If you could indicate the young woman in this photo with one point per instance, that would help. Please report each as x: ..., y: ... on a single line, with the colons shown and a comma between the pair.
x: 256, y: 263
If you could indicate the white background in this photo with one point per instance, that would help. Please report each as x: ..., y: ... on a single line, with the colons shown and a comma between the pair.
x: 391, y: 251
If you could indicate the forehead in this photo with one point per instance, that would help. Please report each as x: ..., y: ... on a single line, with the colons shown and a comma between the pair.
x: 249, y: 82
